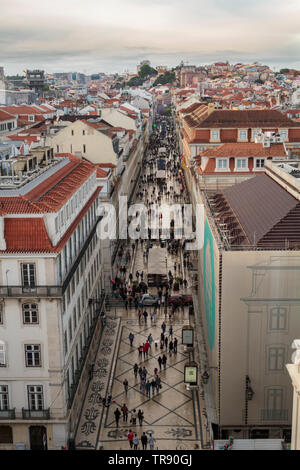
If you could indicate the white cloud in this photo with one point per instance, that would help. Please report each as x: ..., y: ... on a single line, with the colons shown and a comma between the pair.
x: 95, y: 35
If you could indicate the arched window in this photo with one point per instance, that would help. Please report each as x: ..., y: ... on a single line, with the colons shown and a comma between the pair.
x: 30, y: 314
x: 2, y: 354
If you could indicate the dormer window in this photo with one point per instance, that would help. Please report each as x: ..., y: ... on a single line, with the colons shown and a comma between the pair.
x: 241, y: 164
x: 215, y: 135
x: 243, y: 134
x: 222, y: 164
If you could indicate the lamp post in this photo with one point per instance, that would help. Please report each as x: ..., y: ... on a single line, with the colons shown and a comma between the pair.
x: 248, y: 396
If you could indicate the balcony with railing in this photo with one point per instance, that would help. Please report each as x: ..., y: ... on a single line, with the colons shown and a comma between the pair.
x: 36, y: 414
x: 37, y: 291
x: 8, y: 414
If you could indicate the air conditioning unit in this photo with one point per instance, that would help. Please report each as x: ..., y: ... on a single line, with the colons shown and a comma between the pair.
x: 266, y: 143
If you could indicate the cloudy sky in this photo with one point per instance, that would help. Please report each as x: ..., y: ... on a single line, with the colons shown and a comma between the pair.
x: 112, y: 36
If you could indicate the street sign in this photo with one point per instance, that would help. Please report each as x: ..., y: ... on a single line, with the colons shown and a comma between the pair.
x: 191, y: 373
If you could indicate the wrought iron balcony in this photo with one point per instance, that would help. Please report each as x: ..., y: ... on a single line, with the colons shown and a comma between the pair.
x: 8, y: 414
x: 36, y: 414
x: 37, y: 291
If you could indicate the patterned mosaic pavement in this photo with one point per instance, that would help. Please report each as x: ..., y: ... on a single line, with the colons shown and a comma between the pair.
x: 170, y: 414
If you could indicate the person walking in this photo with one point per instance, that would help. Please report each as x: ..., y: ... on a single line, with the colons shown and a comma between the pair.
x: 143, y: 385
x: 133, y: 417
x: 130, y: 438
x: 144, y: 441
x: 135, y: 441
x: 144, y: 350
x: 164, y: 361
x: 153, y: 385
x: 171, y: 331
x: 163, y: 327
x: 155, y: 370
x: 175, y: 345
x: 159, y: 360
x: 117, y: 414
x: 150, y: 340
x: 148, y: 388
x: 151, y: 441
x: 147, y: 347
x: 139, y: 316
x: 135, y: 370
x: 124, y: 410
x: 145, y: 314
x: 140, y: 350
x: 125, y: 383
x: 141, y: 417
x: 166, y: 342
x: 131, y: 338
x: 170, y: 347
x: 158, y: 383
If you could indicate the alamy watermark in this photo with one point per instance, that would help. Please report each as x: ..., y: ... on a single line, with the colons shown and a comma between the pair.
x: 154, y: 222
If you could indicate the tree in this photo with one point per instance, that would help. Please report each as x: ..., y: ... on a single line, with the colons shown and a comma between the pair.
x: 146, y: 71
x: 167, y: 77
x: 284, y: 70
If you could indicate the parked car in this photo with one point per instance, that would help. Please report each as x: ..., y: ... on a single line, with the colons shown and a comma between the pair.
x: 148, y: 300
x: 180, y: 300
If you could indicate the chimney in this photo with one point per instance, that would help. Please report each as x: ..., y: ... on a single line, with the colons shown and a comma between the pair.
x: 210, y: 108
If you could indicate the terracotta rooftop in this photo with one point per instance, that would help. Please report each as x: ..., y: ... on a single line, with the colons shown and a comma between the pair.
x: 247, y: 149
x: 241, y: 119
x: 51, y: 194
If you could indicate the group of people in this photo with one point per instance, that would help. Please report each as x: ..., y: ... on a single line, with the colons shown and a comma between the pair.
x: 134, y: 440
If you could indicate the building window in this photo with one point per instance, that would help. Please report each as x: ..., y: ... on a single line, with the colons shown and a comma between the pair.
x: 274, y: 399
x: 66, y: 342
x: 35, y: 397
x: 260, y: 162
x: 4, y: 398
x: 2, y: 354
x: 33, y: 355
x: 222, y: 164
x: 276, y: 358
x: 57, y: 148
x: 1, y: 314
x: 241, y: 164
x: 74, y: 319
x: 28, y: 274
x: 83, y: 132
x: 243, y: 135
x: 84, y: 148
x: 278, y: 318
x: 283, y: 134
x: 72, y: 132
x: 30, y: 314
x: 70, y: 330
x: 215, y: 135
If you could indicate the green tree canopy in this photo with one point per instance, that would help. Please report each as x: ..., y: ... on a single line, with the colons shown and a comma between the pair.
x: 167, y: 77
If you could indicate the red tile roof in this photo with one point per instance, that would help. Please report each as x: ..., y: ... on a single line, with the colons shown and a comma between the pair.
x: 29, y: 235
x: 26, y: 235
x: 51, y: 194
x: 241, y: 119
x: 245, y: 150
x: 5, y: 116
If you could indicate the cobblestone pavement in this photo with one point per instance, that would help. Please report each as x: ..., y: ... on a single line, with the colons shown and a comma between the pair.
x: 174, y: 416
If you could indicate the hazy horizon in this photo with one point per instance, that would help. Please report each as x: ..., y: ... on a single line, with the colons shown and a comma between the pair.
x: 92, y: 37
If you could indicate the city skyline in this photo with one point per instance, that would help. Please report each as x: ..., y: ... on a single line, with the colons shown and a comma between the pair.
x: 86, y: 38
